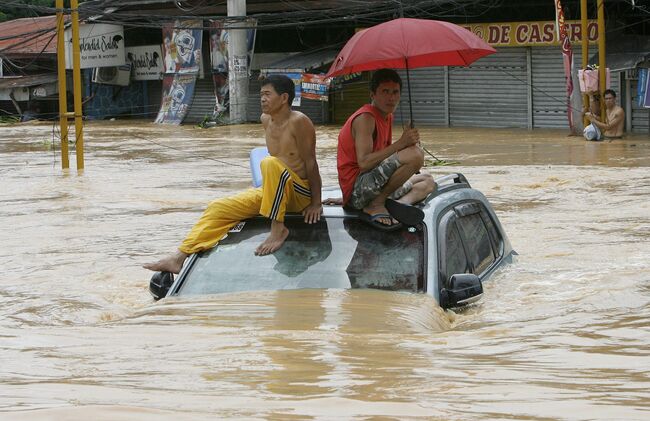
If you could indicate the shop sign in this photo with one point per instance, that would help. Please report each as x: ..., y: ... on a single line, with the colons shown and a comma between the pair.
x: 100, y: 45
x: 315, y: 87
x: 529, y: 34
x: 146, y: 62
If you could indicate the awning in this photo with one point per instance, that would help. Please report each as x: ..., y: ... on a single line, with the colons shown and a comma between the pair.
x: 625, y: 53
x: 302, y: 62
x: 27, y: 81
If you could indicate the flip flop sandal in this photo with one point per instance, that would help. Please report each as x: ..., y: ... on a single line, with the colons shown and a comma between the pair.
x: 406, y: 214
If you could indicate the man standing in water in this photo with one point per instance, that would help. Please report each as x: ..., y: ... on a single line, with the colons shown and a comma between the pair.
x: 614, y: 124
x: 372, y: 168
x: 291, y: 181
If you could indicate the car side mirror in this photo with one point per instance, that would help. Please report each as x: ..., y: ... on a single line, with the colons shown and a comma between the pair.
x: 160, y: 283
x: 462, y: 289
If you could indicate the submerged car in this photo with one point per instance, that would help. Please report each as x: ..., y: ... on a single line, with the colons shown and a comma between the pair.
x: 456, y: 247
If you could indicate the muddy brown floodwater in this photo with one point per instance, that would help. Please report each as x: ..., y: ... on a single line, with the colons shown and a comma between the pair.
x: 564, y: 333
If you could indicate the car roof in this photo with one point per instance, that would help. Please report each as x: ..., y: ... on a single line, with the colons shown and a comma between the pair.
x: 445, y: 184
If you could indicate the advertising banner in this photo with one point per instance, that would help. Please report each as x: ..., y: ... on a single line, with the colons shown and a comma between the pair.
x: 641, y: 88
x: 297, y: 80
x: 178, y: 91
x: 182, y: 46
x: 646, y: 96
x: 315, y: 87
x: 100, y: 45
x: 221, y: 94
x: 219, y: 46
x: 146, y: 62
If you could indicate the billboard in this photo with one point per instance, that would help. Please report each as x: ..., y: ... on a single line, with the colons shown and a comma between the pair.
x: 178, y: 92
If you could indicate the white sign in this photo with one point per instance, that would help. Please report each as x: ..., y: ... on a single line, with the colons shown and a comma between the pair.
x: 100, y: 45
x: 146, y: 62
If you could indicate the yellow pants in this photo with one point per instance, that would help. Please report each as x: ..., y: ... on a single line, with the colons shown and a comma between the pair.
x: 282, y: 191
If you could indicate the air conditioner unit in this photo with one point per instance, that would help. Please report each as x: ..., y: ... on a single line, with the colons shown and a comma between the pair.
x: 113, y: 75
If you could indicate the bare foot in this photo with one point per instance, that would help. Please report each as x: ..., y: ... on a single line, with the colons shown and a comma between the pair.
x: 274, y: 241
x: 172, y: 263
x: 373, y: 210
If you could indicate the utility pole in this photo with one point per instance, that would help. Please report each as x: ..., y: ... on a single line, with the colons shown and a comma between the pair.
x: 602, y: 71
x: 76, y: 75
x: 585, y: 54
x: 237, y: 60
x: 63, y: 100
x: 76, y: 78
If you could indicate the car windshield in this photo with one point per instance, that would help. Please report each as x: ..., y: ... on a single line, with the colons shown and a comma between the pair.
x: 334, y: 253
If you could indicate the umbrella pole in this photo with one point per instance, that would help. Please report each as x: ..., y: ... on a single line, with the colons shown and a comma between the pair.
x: 412, y: 123
x: 408, y: 83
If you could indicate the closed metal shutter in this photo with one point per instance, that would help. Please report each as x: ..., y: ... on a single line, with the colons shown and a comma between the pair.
x: 253, y: 107
x: 203, y: 102
x: 347, y: 100
x: 317, y: 111
x: 428, y: 91
x: 549, y: 85
x: 491, y: 92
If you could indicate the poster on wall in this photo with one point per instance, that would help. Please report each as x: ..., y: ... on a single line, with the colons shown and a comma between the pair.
x: 646, y: 96
x: 315, y: 86
x: 146, y: 62
x: 221, y: 94
x: 100, y: 45
x: 177, y: 95
x: 641, y: 88
x: 219, y: 46
x: 182, y: 46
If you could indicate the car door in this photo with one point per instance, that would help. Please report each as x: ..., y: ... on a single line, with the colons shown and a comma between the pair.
x: 469, y: 241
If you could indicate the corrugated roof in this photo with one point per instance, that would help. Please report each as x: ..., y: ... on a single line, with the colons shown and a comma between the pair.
x: 28, y: 36
x: 27, y: 81
x: 305, y: 61
x: 625, y: 52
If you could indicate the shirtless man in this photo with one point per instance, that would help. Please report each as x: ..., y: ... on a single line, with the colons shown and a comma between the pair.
x: 614, y: 124
x: 290, y: 181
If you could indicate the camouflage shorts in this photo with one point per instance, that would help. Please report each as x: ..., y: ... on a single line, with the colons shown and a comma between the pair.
x: 369, y: 184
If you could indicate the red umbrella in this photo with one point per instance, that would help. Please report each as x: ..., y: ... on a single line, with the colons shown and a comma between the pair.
x: 406, y: 43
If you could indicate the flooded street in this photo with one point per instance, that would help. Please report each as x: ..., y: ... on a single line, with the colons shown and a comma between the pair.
x: 564, y: 333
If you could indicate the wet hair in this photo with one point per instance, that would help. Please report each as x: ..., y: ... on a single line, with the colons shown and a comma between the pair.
x: 609, y: 91
x: 282, y: 85
x: 384, y: 75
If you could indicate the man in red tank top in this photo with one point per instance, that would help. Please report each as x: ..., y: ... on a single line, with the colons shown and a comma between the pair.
x: 373, y: 168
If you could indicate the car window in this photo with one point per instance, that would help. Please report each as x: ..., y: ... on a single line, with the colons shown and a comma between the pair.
x: 470, y: 242
x: 335, y: 253
x: 452, y: 252
x: 476, y: 237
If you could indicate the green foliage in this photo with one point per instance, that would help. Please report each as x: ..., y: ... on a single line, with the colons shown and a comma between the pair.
x: 14, y: 9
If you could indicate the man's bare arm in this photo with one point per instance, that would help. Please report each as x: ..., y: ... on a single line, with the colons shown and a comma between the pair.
x: 363, y: 128
x: 306, y: 143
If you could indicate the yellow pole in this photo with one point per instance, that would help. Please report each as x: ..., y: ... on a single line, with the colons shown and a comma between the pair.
x: 601, y: 56
x: 76, y: 78
x: 63, y: 107
x: 585, y: 53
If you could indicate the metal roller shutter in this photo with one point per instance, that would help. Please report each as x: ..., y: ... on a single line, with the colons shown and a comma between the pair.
x: 203, y: 102
x: 254, y: 109
x: 428, y: 90
x: 347, y: 100
x: 549, y: 85
x: 492, y: 92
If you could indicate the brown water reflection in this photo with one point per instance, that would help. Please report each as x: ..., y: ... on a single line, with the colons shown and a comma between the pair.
x: 561, y: 334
